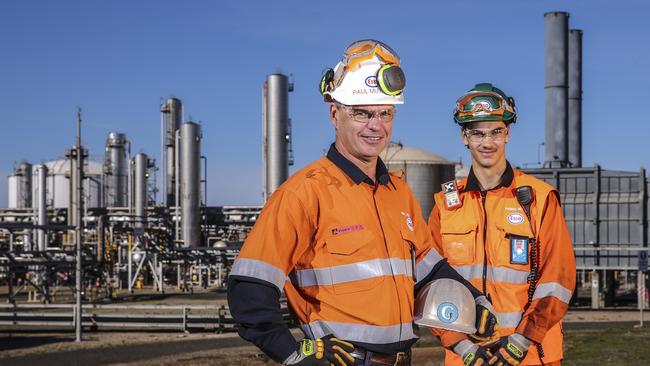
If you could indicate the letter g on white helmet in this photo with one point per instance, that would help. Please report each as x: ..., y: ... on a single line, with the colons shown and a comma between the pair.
x: 368, y: 73
x: 446, y: 304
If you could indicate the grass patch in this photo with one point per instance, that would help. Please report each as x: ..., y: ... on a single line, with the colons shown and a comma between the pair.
x: 615, y: 346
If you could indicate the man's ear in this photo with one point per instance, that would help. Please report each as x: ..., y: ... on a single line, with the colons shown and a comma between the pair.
x: 334, y: 115
x: 464, y: 138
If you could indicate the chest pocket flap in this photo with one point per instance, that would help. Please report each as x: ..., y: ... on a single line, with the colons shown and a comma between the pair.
x: 349, y: 243
x: 354, y: 262
x: 459, y: 241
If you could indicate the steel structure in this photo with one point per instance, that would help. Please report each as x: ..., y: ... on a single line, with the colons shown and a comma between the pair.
x: 556, y: 88
x: 115, y: 170
x: 276, y: 132
x: 574, y: 133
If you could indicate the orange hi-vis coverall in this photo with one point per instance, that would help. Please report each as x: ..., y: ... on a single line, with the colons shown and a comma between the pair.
x: 340, y: 247
x: 488, y: 240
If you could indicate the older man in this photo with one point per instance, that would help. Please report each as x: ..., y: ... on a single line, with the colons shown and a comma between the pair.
x: 343, y: 238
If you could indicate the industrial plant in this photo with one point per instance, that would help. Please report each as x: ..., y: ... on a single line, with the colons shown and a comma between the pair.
x: 82, y: 230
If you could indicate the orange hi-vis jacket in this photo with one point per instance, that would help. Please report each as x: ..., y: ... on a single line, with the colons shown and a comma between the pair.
x: 339, y: 247
x: 487, y: 240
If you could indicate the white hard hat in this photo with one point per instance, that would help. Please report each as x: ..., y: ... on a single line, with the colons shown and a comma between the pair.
x: 446, y: 304
x: 369, y: 73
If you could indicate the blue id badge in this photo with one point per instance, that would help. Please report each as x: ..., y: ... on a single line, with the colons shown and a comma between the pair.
x: 518, y: 249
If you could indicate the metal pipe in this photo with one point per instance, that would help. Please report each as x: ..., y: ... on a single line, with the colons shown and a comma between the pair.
x: 190, y: 177
x: 177, y: 217
x: 205, y: 197
x: 42, y: 205
x: 575, y: 98
x: 556, y: 88
x: 129, y: 179
x: 101, y: 238
x: 79, y: 223
x: 163, y: 160
x: 140, y: 188
x: 276, y: 150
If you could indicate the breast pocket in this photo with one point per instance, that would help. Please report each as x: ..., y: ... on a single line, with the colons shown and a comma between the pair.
x: 355, y: 264
x: 459, y: 242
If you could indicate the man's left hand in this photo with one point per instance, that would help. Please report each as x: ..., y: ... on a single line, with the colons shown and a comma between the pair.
x: 509, y: 350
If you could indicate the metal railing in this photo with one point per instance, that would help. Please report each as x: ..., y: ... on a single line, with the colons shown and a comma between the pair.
x: 100, y: 317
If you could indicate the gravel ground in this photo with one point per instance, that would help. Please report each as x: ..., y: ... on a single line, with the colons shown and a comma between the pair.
x: 165, y: 348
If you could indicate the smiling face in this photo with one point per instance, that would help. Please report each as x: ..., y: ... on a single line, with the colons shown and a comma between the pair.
x: 362, y: 141
x: 490, y: 150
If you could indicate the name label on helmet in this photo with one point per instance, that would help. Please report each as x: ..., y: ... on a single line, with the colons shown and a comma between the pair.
x: 373, y: 90
x: 518, y: 249
x: 447, y: 312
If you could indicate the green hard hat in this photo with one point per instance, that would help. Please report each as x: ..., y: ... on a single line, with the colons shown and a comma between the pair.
x: 485, y: 102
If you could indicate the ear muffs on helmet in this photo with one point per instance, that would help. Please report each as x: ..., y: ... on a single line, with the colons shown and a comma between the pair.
x: 326, y: 81
x: 391, y: 79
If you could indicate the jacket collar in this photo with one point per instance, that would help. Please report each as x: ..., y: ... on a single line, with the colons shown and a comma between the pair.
x: 506, y: 179
x: 354, y: 172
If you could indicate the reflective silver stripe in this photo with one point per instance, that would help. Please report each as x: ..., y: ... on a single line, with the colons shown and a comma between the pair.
x: 424, y: 267
x: 496, y: 274
x: 508, y: 320
x: 360, y: 332
x: 502, y: 274
x: 552, y: 289
x: 470, y: 272
x: 259, y: 270
x: 351, y: 272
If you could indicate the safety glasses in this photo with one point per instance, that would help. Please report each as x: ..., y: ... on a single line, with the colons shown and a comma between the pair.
x: 471, y: 104
x: 477, y: 135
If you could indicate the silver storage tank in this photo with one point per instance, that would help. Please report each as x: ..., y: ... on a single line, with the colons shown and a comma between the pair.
x: 424, y: 171
x: 190, y: 183
x: 140, y: 189
x: 39, y: 203
x: 275, y: 132
x: 115, y: 170
x: 19, y: 186
x: 172, y: 113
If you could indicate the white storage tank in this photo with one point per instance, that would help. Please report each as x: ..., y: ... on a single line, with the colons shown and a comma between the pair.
x: 58, y: 183
x: 424, y: 171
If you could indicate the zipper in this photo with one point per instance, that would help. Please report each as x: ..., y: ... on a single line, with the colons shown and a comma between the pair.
x: 483, y: 197
x: 381, y: 226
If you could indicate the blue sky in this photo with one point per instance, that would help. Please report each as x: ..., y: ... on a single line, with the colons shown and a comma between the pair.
x: 118, y: 59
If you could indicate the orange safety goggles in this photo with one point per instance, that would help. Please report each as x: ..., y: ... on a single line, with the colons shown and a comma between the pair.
x: 482, y: 102
x: 365, y: 49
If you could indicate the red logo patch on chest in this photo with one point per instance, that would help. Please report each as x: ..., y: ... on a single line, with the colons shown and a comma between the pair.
x: 347, y: 229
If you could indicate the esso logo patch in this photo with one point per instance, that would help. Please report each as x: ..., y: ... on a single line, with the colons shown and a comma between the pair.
x: 515, y: 218
x: 447, y: 312
x: 371, y: 81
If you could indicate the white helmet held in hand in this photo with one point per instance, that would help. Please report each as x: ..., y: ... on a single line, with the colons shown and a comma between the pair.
x: 446, y: 304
